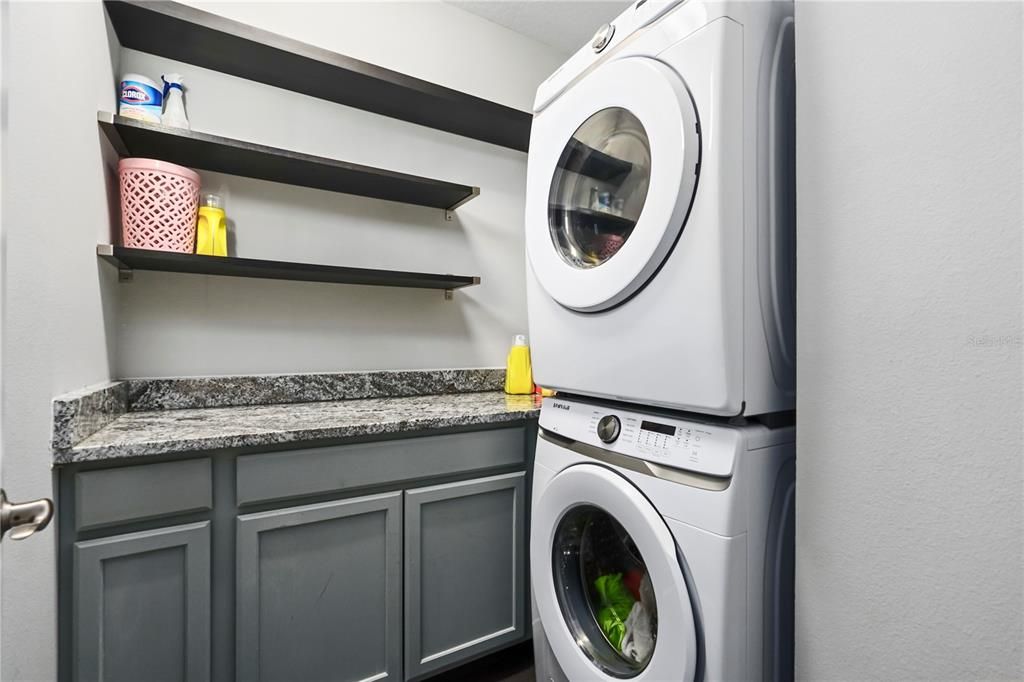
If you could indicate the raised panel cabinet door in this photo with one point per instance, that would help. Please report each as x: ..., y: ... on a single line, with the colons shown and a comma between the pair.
x: 465, y: 549
x: 319, y: 591
x: 142, y: 606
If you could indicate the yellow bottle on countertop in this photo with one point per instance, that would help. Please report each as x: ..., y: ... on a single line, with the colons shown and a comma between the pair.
x: 212, y: 228
x: 518, y: 372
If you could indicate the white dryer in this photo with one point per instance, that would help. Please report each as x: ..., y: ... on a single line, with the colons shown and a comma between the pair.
x: 661, y: 549
x: 660, y: 211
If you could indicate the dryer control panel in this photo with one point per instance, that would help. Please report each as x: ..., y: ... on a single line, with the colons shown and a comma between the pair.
x: 695, y: 446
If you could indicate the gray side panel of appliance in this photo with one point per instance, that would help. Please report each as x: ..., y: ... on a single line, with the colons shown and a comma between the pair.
x: 779, y: 579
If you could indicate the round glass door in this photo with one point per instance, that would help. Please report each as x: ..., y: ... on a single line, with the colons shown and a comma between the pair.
x: 610, y: 179
x: 604, y: 591
x: 599, y: 187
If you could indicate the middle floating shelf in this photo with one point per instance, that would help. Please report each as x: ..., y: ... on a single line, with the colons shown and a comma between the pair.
x: 127, y: 260
x: 131, y: 137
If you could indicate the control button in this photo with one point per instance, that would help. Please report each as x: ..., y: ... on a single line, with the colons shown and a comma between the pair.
x: 608, y: 428
x: 601, y: 40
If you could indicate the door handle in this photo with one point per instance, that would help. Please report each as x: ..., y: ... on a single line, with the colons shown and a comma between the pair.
x: 23, y: 518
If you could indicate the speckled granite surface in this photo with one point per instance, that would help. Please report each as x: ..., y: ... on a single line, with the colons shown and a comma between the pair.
x: 176, y: 394
x: 157, y: 432
x: 79, y: 414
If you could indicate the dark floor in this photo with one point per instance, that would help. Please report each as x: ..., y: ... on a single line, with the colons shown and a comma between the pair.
x: 514, y: 664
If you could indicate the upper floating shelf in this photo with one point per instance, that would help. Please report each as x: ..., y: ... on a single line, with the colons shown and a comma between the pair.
x: 186, y: 34
x: 214, y: 153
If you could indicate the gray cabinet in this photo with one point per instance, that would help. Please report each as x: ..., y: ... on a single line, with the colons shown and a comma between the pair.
x: 329, y: 470
x: 319, y: 591
x: 464, y: 570
x: 142, y: 606
x: 379, y: 560
x: 133, y: 493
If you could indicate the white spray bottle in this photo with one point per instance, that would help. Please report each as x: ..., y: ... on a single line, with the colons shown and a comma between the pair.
x: 174, y: 103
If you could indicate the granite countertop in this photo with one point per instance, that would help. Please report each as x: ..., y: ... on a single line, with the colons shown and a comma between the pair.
x: 166, y: 431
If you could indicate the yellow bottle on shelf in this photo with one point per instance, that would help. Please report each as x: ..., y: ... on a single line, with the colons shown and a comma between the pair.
x: 518, y: 372
x: 212, y: 229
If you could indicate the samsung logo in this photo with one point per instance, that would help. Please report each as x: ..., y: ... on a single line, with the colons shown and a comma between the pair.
x: 561, y: 406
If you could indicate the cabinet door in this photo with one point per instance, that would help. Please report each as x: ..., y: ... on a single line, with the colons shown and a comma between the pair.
x: 319, y: 591
x: 142, y: 606
x: 464, y: 570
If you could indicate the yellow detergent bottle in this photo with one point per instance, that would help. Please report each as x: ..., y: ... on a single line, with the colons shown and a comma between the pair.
x: 518, y: 372
x: 212, y: 229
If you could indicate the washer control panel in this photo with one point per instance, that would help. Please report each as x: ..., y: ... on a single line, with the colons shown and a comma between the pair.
x: 705, y: 448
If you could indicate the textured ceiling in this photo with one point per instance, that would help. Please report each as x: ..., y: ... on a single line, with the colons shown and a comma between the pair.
x: 565, y: 25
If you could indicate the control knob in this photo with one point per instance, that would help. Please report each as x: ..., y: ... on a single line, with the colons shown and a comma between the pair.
x: 608, y: 428
x: 602, y: 37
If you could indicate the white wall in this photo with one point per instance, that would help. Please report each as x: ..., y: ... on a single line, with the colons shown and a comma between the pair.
x: 423, y: 38
x: 57, y: 309
x: 185, y: 325
x: 909, y: 515
x: 67, y: 323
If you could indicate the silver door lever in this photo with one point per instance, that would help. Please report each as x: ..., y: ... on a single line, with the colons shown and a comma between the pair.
x: 24, y: 518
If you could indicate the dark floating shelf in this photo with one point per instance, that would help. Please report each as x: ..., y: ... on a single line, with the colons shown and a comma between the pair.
x: 126, y: 260
x: 186, y: 34
x: 131, y: 137
x: 585, y: 160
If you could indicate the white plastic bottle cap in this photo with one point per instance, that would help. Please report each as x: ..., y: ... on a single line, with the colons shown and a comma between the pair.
x: 520, y: 340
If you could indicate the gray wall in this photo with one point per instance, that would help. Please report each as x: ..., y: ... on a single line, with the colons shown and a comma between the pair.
x: 909, y: 521
x: 67, y: 323
x: 58, y: 316
x: 176, y: 325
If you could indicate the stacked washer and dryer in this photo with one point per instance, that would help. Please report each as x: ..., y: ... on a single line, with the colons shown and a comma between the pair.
x: 661, y: 298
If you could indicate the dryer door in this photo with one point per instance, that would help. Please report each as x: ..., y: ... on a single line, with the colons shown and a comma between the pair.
x: 607, y: 580
x: 612, y: 173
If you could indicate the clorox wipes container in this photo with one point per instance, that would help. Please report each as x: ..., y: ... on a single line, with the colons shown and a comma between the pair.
x: 518, y: 371
x: 140, y: 98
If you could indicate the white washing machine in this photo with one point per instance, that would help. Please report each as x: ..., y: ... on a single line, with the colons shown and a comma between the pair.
x: 660, y: 211
x: 661, y: 548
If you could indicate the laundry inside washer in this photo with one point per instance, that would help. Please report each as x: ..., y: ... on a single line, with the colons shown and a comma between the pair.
x: 603, y: 581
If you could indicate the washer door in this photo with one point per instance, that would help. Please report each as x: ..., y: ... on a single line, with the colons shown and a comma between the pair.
x: 612, y: 172
x: 608, y: 584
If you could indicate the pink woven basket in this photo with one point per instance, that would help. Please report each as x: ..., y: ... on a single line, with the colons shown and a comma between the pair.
x: 159, y: 203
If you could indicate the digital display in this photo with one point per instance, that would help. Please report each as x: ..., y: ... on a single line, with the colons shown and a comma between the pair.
x: 658, y: 428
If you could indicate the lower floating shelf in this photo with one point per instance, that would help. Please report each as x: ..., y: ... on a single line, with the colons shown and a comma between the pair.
x: 127, y: 260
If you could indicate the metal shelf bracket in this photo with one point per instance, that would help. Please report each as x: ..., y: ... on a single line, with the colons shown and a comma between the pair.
x: 124, y: 272
x: 449, y: 213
